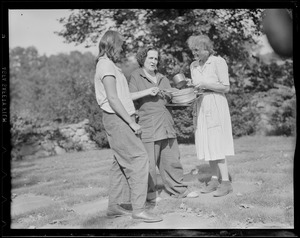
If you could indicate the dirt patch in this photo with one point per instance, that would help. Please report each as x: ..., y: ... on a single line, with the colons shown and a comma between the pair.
x: 91, y: 207
x: 175, y: 220
x: 29, y: 202
x: 178, y: 221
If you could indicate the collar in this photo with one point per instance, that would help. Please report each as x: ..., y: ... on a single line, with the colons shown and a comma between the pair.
x: 142, y: 74
x: 208, y: 61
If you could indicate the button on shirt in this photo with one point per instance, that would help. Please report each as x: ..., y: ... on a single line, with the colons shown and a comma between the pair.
x: 155, y: 119
x: 106, y: 67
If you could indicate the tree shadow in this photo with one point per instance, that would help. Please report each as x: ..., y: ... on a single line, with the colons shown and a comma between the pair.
x: 202, y: 173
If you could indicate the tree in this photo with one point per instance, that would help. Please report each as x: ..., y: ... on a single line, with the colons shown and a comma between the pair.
x: 233, y: 31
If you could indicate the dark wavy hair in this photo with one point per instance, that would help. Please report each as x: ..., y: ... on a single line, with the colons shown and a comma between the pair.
x: 142, y: 55
x: 110, y: 43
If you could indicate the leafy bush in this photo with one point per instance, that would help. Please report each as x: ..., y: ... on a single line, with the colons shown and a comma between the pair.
x: 183, y: 120
x: 243, y: 116
x: 279, y: 106
x: 96, y: 129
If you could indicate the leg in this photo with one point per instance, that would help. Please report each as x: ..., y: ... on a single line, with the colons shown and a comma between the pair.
x: 131, y: 158
x: 170, y: 167
x: 213, y: 183
x: 152, y: 182
x: 225, y: 187
x: 222, y: 165
x: 215, y: 169
x: 119, y: 191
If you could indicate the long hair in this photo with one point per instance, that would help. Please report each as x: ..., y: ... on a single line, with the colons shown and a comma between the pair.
x: 110, y: 43
x: 201, y: 40
x: 142, y: 55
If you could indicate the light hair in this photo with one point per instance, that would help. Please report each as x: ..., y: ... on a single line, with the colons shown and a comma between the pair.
x: 201, y: 41
x: 110, y: 42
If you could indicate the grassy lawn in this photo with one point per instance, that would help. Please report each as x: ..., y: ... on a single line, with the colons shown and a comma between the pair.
x: 262, y: 172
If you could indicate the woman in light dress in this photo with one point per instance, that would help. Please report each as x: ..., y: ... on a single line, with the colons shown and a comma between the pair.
x: 213, y: 130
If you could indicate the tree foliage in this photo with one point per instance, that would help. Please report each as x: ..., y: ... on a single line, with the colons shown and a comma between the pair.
x: 61, y: 86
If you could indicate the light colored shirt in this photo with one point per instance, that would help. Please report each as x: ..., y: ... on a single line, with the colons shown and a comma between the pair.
x: 106, y: 67
x: 215, y: 70
x: 155, y: 119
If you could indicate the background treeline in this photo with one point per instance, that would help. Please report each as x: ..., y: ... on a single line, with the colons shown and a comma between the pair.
x: 60, y: 87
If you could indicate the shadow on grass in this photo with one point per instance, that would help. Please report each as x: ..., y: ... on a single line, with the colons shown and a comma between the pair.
x: 203, y: 174
x: 21, y: 179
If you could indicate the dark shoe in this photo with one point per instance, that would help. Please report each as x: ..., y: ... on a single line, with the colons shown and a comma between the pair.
x: 117, y: 211
x: 211, y: 186
x: 155, y: 200
x: 146, y: 217
x: 224, y: 188
x: 126, y: 206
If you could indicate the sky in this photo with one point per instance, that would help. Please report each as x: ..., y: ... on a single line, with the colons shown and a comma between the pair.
x: 36, y: 28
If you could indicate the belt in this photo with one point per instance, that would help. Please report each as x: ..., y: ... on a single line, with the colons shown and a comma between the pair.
x: 207, y: 91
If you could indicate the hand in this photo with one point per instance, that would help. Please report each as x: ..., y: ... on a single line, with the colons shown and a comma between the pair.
x: 153, y: 91
x: 189, y: 82
x: 135, y: 127
x: 200, y: 86
x: 167, y: 95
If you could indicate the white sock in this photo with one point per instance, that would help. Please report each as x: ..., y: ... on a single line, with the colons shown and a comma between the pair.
x: 214, y: 177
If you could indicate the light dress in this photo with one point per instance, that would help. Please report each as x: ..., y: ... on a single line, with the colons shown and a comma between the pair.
x: 213, y: 130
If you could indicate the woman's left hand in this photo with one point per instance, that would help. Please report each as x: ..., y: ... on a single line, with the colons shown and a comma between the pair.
x: 189, y: 82
x: 200, y: 85
x: 153, y: 91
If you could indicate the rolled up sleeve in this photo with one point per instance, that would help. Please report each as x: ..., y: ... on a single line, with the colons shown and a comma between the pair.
x: 222, y: 71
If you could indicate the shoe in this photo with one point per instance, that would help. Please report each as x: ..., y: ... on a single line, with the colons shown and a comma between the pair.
x: 223, y: 189
x: 146, y: 217
x: 150, y: 205
x: 192, y: 194
x: 211, y: 186
x: 155, y: 200
x: 117, y: 211
x: 126, y: 206
x: 165, y: 195
x: 189, y: 194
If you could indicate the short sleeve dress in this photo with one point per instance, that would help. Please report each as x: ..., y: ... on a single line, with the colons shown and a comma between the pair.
x: 213, y: 133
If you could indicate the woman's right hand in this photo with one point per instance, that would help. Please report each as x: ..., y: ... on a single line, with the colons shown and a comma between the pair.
x: 153, y: 91
x: 135, y: 127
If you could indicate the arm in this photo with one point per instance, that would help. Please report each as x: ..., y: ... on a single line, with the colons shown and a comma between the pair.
x: 221, y: 70
x: 109, y: 83
x: 140, y: 94
x: 217, y: 87
x: 136, y: 94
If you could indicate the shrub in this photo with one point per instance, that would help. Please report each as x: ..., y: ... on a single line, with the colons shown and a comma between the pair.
x: 96, y: 129
x: 183, y: 120
x: 278, y: 105
x: 244, y: 116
